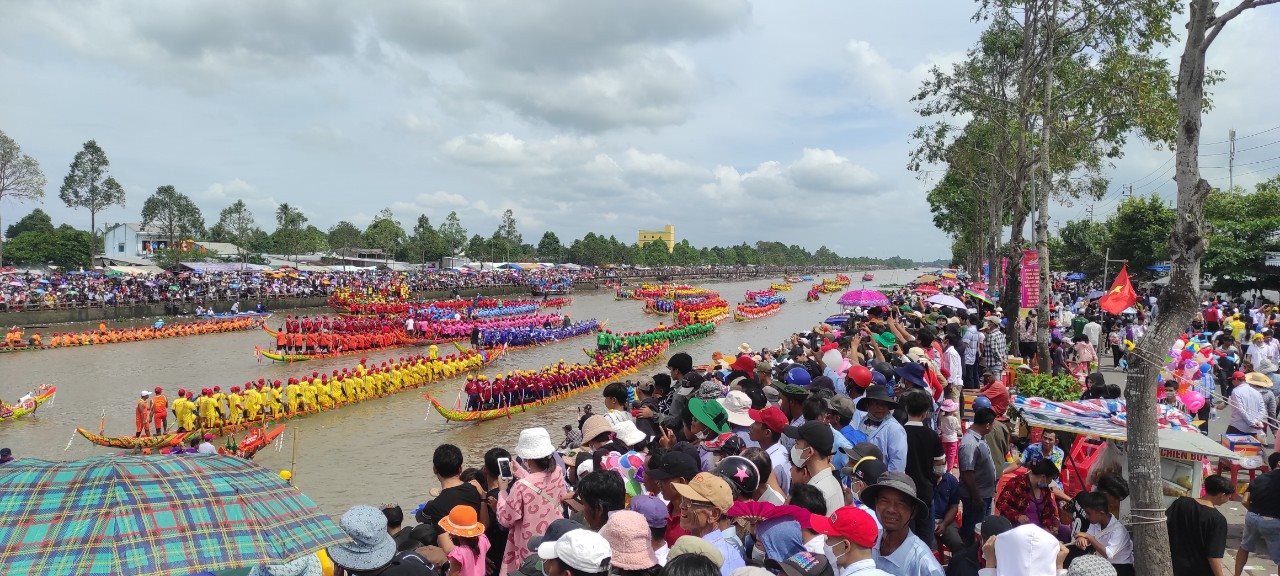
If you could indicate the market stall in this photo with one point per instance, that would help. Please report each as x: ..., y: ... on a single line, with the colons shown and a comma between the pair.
x: 1101, y: 441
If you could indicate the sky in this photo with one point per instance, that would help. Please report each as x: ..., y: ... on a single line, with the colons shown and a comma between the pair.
x: 733, y: 120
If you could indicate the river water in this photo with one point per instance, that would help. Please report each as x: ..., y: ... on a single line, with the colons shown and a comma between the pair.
x: 372, y: 453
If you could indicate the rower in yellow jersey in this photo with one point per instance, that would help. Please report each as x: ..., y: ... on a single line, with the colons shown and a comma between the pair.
x: 252, y: 401
x: 235, y: 406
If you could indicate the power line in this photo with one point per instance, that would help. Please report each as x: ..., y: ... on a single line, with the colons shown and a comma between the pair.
x: 1238, y: 138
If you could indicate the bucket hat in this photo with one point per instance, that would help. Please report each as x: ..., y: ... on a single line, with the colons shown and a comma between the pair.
x: 737, y: 404
x: 893, y: 480
x: 462, y: 521
x: 370, y: 547
x: 534, y: 443
x: 876, y: 392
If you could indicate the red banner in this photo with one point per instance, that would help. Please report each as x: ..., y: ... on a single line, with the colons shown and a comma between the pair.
x: 1030, y: 274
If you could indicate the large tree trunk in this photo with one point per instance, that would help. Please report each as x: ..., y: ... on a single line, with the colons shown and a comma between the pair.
x: 1046, y: 190
x: 1178, y: 304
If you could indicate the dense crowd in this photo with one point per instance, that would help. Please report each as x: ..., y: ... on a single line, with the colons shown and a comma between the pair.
x: 31, y: 290
x: 843, y: 450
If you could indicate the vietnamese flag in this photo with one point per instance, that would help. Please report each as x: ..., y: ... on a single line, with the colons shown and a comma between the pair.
x: 1121, y: 294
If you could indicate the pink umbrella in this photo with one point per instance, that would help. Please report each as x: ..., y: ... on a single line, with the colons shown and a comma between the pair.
x: 863, y: 298
x: 927, y: 289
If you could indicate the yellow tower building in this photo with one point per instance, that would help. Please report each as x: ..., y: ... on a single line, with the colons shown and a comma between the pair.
x: 666, y: 235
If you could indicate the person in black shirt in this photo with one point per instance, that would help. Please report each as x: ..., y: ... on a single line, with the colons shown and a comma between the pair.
x: 446, y: 462
x: 1262, y: 522
x: 1198, y: 531
x: 925, y: 458
x: 493, y: 530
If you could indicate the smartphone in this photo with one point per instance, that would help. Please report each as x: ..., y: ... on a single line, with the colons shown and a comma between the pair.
x: 504, y: 468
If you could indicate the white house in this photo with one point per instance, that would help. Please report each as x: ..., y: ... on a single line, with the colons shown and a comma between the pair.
x: 131, y: 241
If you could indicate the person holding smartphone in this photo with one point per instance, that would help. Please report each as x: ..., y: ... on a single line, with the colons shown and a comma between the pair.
x: 529, y: 494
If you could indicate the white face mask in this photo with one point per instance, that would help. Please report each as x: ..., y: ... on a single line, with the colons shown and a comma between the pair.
x: 831, y: 553
x: 700, y: 436
x: 797, y: 456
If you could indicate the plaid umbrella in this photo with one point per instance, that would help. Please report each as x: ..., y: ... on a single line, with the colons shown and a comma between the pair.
x: 152, y: 515
x: 863, y: 298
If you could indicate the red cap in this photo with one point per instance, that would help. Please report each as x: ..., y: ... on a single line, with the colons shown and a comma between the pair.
x: 235, y: 389
x: 861, y: 375
x: 829, y: 346
x: 159, y: 389
x: 217, y: 388
x: 182, y: 392
x: 1237, y: 375
x: 848, y: 522
x: 743, y: 363
x: 771, y: 416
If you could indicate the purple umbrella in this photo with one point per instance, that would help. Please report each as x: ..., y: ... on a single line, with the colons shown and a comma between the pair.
x: 864, y: 298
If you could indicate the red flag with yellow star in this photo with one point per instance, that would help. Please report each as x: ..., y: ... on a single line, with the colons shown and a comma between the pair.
x: 1121, y: 294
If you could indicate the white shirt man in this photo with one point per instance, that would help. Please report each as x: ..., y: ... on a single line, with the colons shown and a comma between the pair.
x: 1094, y: 331
x: 1248, y: 409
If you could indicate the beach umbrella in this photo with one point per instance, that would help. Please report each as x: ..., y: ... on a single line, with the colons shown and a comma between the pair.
x: 152, y: 515
x: 1075, y: 276
x: 978, y: 285
x: 980, y: 295
x: 927, y: 289
x: 926, y: 278
x: 946, y: 300
x: 1094, y: 294
x: 863, y: 298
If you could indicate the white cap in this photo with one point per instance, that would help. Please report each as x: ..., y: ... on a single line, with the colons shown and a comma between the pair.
x: 628, y: 433
x: 146, y: 393
x: 579, y: 549
x: 736, y: 404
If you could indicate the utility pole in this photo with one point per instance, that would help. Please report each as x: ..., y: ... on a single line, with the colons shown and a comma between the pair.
x: 1089, y: 211
x: 1231, y: 159
x: 1106, y: 266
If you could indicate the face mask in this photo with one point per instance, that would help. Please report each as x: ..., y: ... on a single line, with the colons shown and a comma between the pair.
x: 797, y: 456
x: 831, y: 553
x: 701, y: 436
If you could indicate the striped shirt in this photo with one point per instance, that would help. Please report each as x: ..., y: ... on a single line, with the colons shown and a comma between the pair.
x: 995, y: 352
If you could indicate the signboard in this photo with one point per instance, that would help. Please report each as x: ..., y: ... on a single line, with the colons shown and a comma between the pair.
x: 1030, y: 273
x: 1273, y: 258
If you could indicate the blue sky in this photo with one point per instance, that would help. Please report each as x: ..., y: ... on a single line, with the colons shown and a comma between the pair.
x: 733, y: 120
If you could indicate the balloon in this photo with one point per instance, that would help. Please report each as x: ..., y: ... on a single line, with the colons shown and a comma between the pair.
x: 1193, y: 400
x: 1189, y: 365
x: 1179, y: 345
x: 1205, y: 368
x: 1183, y: 387
x: 1186, y: 355
x: 286, y: 475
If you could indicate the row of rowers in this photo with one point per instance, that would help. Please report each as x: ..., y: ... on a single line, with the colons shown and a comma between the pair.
x: 213, y: 408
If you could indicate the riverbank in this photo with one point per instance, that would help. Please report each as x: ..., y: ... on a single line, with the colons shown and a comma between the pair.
x: 39, y: 317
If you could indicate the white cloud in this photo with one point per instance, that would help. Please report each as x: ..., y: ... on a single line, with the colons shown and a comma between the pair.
x: 487, y: 150
x: 880, y: 83
x: 825, y: 170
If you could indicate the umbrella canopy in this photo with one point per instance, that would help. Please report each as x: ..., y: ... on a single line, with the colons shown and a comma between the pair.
x: 927, y: 289
x: 1075, y: 276
x: 978, y: 285
x: 863, y: 298
x: 980, y: 295
x: 1094, y: 294
x: 152, y: 515
x: 926, y: 278
x: 947, y: 300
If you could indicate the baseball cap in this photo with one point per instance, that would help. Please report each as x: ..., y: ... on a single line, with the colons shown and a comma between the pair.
x: 842, y: 405
x: 579, y: 549
x: 807, y: 564
x: 868, y: 470
x: 652, y: 508
x: 771, y: 416
x: 817, y: 434
x: 707, y: 487
x: 672, y: 464
x: 850, y: 523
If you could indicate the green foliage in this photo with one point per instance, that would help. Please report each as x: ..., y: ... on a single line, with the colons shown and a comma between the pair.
x: 63, y: 246
x: 290, y: 224
x: 454, y: 235
x: 169, y: 257
x: 88, y: 185
x: 37, y: 221
x: 1242, y: 227
x: 1044, y: 385
x: 173, y: 214
x: 236, y: 225
x: 20, y: 178
x: 345, y: 235
x: 549, y: 248
x: 1081, y: 245
x: 655, y: 253
x: 1139, y: 233
x: 385, y: 232
x: 425, y: 245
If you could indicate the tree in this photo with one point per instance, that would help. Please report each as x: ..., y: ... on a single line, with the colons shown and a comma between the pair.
x: 237, y: 226
x: 63, y: 246
x: 344, y: 235
x: 425, y: 244
x: 20, y: 177
x: 506, y: 238
x: 1242, y: 228
x: 454, y: 235
x: 1139, y: 233
x: 684, y: 254
x: 37, y: 221
x: 549, y: 248
x: 290, y: 223
x: 174, y: 215
x: 655, y: 253
x: 1180, y: 300
x: 1081, y: 246
x: 88, y: 185
x: 313, y: 239
x: 385, y: 233
x: 478, y: 248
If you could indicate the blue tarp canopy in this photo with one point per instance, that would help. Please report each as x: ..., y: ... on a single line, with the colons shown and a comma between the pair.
x: 216, y: 267
x: 1075, y: 276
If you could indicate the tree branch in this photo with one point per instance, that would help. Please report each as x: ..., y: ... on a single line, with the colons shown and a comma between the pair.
x: 1221, y: 21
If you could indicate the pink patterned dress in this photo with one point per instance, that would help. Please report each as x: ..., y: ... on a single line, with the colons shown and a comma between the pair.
x: 527, y: 510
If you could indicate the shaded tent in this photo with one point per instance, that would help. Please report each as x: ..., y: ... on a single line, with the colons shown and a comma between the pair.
x: 217, y: 267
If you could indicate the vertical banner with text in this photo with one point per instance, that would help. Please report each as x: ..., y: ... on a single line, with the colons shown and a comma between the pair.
x: 1030, y: 274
